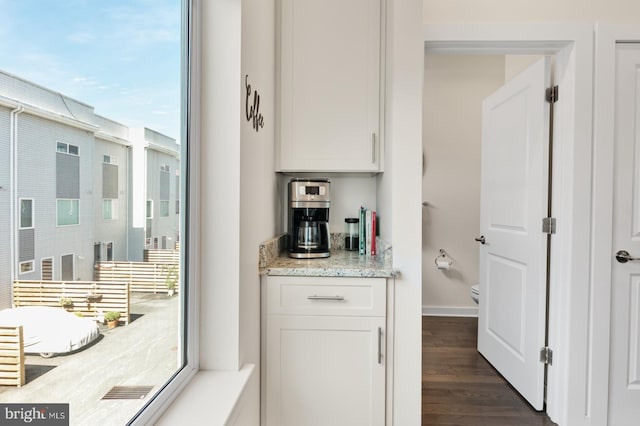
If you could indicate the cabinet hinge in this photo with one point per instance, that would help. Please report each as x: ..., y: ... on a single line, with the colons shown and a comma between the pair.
x: 549, y: 225
x: 552, y: 94
x: 546, y: 355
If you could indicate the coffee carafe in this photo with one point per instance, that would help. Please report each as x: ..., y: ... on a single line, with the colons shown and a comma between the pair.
x: 309, y: 218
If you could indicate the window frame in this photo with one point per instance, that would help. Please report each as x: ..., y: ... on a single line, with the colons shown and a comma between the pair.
x: 163, y: 208
x: 67, y: 149
x: 53, y: 262
x: 113, y: 208
x: 33, y: 267
x: 78, y: 209
x: 33, y: 209
x: 190, y: 130
x: 149, y: 209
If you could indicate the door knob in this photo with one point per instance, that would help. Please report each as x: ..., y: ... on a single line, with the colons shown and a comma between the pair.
x: 481, y: 239
x: 623, y: 256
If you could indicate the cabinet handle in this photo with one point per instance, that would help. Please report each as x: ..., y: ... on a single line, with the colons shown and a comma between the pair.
x: 315, y: 297
x: 373, y: 147
x: 379, y: 345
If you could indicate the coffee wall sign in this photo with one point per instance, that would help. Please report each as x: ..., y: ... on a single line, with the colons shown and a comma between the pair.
x: 252, y: 107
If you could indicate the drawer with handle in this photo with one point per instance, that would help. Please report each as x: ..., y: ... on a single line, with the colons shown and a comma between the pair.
x: 326, y: 296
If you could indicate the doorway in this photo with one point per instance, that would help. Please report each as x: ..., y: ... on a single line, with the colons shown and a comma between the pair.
x: 572, y: 48
x: 494, y: 170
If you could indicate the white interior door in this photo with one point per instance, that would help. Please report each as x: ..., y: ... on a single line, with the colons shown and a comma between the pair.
x: 513, y: 259
x: 624, y: 371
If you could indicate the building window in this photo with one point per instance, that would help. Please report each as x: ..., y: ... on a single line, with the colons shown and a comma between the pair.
x: 26, y: 213
x: 66, y: 148
x: 46, y: 269
x: 109, y: 209
x: 67, y: 212
x: 164, y: 208
x: 26, y: 267
x: 154, y: 82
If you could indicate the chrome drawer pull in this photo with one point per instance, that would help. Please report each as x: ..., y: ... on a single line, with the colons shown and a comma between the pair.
x: 315, y: 297
x: 379, y: 345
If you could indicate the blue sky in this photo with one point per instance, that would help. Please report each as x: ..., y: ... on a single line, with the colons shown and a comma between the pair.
x: 120, y: 56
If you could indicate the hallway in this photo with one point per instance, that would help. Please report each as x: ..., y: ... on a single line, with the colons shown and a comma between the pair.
x: 459, y: 387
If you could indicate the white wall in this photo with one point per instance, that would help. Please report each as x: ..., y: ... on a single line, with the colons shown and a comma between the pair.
x: 466, y: 11
x: 398, y: 199
x: 259, y: 198
x: 454, y: 87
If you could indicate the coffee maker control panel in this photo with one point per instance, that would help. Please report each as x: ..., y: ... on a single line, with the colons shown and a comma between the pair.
x: 309, y: 190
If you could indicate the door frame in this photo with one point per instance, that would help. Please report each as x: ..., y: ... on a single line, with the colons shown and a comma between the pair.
x: 607, y: 36
x: 569, y: 400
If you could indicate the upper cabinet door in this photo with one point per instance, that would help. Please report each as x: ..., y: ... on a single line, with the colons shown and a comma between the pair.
x: 330, y: 61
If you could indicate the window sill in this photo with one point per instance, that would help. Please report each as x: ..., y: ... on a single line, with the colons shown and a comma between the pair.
x: 216, y: 394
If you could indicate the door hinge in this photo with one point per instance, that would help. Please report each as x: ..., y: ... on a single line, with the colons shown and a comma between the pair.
x: 549, y: 225
x: 552, y: 94
x: 546, y: 355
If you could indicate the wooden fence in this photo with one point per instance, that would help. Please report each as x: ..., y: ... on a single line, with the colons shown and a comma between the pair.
x: 142, y: 277
x: 92, y: 299
x: 11, y: 356
x: 162, y: 256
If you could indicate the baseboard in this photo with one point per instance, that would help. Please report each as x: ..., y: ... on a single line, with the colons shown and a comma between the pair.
x: 449, y: 311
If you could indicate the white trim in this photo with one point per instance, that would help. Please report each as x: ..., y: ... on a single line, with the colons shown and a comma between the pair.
x: 48, y: 115
x: 449, y: 311
x: 191, y: 224
x: 66, y: 151
x: 53, y: 263
x: 607, y: 35
x: 572, y: 45
x: 67, y: 199
x: 73, y: 266
x: 146, y: 207
x: 33, y: 216
x: 33, y: 267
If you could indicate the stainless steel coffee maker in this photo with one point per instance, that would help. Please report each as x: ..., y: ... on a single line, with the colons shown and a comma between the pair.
x: 309, y: 218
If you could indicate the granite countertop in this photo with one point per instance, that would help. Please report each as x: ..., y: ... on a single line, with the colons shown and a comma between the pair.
x: 275, y: 261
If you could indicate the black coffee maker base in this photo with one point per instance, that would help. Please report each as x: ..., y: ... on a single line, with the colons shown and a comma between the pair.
x: 308, y: 255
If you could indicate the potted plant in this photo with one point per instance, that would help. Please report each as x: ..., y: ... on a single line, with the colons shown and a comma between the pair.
x: 111, y: 318
x: 171, y: 278
x: 66, y: 302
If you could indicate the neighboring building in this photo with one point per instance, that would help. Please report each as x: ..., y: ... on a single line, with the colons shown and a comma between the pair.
x: 66, y: 179
x: 160, y: 194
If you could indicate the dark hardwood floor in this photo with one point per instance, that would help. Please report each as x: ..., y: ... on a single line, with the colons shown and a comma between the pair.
x: 459, y: 387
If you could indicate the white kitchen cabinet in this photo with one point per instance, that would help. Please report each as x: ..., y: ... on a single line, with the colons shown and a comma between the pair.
x: 329, y: 86
x: 324, y: 351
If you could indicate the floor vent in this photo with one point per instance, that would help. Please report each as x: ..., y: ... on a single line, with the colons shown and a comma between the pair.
x: 128, y: 392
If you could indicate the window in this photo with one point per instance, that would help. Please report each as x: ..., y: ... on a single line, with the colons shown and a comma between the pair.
x: 109, y: 209
x: 164, y: 208
x: 121, y: 92
x: 67, y: 212
x: 66, y: 148
x: 46, y: 269
x: 26, y: 267
x: 26, y: 213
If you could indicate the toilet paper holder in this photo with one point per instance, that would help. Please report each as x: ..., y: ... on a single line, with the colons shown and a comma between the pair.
x: 443, y: 261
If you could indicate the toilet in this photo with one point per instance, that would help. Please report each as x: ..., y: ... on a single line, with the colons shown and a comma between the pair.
x: 475, y: 293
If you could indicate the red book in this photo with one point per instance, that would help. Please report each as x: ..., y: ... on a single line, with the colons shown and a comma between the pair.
x: 373, y: 233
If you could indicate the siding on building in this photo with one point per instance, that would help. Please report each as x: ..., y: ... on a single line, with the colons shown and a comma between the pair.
x: 5, y: 230
x: 114, y: 187
x: 45, y: 175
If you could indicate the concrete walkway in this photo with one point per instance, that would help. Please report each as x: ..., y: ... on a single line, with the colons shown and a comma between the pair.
x: 144, y: 353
